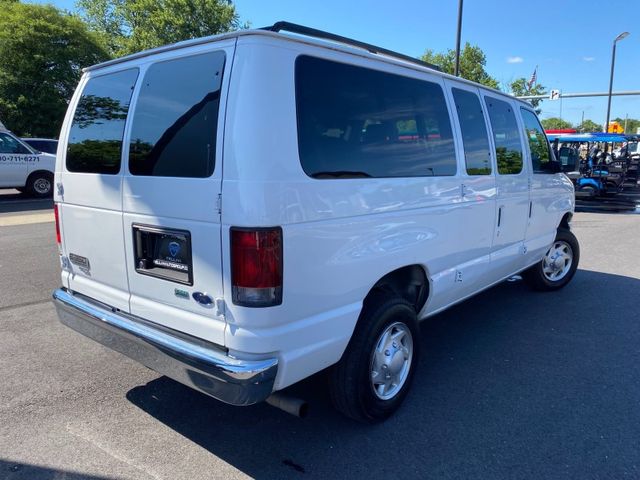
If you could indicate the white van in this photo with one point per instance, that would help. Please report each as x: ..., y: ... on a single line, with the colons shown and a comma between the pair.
x: 242, y: 211
x: 25, y: 168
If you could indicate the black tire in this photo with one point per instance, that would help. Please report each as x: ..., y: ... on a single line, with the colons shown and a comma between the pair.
x: 535, y: 276
x: 40, y: 184
x: 350, y: 385
x: 590, y: 190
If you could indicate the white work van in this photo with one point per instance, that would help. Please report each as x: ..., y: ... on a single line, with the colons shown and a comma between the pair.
x: 25, y: 168
x: 242, y: 211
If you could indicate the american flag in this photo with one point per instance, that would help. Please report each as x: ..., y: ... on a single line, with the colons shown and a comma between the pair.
x: 533, y: 78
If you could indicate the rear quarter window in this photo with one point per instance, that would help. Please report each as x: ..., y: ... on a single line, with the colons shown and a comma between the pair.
x: 95, y: 138
x: 355, y: 122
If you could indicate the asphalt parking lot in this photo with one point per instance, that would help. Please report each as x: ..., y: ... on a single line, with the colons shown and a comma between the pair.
x: 513, y: 384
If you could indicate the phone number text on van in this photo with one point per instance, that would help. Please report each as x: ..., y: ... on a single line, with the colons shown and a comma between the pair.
x: 19, y: 159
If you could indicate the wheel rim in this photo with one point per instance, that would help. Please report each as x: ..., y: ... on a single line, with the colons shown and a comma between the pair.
x: 42, y: 186
x: 391, y: 361
x: 557, y: 262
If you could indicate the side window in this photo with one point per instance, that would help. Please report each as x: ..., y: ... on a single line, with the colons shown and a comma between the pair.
x: 176, y: 117
x: 538, y: 143
x: 357, y: 122
x: 506, y: 136
x: 8, y: 144
x: 477, y: 153
x: 95, y: 139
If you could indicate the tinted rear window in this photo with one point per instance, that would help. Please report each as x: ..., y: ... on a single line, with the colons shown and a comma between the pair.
x: 95, y: 139
x: 356, y: 122
x: 176, y: 117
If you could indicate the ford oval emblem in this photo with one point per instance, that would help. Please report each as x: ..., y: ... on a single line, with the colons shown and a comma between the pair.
x: 202, y: 299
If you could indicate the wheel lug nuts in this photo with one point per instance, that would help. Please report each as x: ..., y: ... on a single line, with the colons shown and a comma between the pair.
x: 395, y: 345
x: 385, y: 366
x: 387, y: 353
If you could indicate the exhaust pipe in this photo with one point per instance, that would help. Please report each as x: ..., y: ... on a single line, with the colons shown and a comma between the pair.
x: 292, y: 405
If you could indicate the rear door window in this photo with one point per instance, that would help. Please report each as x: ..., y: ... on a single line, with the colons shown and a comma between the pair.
x: 176, y: 116
x: 95, y: 139
x: 506, y: 136
x: 477, y: 153
x: 355, y: 122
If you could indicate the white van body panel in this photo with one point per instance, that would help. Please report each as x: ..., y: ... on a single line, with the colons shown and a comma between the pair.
x: 15, y: 168
x: 339, y: 236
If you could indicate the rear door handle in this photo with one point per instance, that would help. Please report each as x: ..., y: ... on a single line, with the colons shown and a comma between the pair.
x: 499, y: 215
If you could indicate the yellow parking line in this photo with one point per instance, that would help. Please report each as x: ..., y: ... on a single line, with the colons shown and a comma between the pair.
x: 26, y: 219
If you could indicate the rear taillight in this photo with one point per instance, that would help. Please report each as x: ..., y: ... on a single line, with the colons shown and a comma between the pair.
x: 57, y: 217
x: 256, y: 266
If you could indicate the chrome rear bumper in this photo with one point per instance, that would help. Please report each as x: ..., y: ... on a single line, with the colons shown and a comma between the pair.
x: 194, y: 362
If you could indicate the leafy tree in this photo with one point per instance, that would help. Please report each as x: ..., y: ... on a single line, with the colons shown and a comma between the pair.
x: 520, y: 87
x: 555, y: 123
x: 472, y: 64
x: 42, y: 52
x: 589, y: 126
x: 129, y: 26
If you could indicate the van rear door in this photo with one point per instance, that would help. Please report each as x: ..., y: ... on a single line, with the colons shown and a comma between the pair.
x: 171, y: 189
x: 89, y: 190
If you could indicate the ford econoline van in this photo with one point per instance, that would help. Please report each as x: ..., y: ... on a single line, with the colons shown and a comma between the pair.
x: 242, y: 211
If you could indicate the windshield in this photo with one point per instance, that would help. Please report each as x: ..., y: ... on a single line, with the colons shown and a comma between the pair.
x: 633, y: 147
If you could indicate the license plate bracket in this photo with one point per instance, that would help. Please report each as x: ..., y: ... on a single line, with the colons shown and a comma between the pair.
x: 163, y: 253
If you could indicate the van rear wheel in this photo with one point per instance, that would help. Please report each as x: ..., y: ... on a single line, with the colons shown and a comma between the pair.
x: 372, y: 378
x: 558, y: 266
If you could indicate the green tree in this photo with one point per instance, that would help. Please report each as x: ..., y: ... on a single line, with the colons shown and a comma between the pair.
x: 42, y: 52
x: 472, y: 64
x: 128, y: 26
x: 555, y: 123
x: 589, y: 126
x: 520, y: 87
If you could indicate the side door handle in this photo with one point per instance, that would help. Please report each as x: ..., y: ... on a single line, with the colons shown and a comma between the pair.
x: 499, y: 215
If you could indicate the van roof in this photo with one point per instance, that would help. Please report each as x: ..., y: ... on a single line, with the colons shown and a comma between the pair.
x: 309, y: 36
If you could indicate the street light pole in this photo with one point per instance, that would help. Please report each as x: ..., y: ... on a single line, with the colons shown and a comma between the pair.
x: 613, y: 62
x: 458, y: 34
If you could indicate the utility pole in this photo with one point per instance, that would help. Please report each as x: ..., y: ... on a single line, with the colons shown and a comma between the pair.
x: 613, y: 63
x: 458, y: 35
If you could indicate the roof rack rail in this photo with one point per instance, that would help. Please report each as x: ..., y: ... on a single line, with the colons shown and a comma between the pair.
x: 312, y: 32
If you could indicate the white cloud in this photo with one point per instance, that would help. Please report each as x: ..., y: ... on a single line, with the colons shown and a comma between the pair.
x: 588, y: 59
x: 515, y: 59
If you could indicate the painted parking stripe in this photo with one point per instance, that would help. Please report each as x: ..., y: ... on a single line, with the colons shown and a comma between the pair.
x: 12, y: 220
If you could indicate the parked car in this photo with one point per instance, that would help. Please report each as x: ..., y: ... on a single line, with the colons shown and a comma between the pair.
x: 24, y: 168
x: 239, y: 230
x: 46, y: 145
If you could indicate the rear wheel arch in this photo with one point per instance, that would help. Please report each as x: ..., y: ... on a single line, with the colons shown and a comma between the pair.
x: 409, y: 282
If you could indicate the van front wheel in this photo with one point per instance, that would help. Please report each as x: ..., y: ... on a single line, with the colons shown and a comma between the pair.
x: 558, y: 266
x: 40, y: 184
x: 373, y: 376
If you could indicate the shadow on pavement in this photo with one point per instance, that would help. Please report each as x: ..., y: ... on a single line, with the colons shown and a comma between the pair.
x: 22, y: 471
x: 19, y: 202
x: 511, y: 384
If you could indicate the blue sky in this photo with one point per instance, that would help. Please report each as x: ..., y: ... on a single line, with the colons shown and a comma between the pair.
x: 569, y: 40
